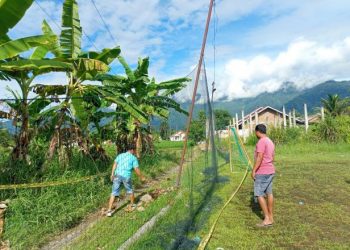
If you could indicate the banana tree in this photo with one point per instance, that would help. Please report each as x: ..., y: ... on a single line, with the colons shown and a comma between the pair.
x: 153, y: 99
x: 72, y: 111
x: 22, y: 71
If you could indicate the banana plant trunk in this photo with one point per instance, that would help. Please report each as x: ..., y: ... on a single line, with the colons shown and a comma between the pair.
x: 21, y: 149
x: 138, y: 142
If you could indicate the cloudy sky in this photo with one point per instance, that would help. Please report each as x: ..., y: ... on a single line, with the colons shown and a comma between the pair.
x: 259, y: 43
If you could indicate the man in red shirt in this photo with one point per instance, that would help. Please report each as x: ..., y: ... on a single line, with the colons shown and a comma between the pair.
x: 263, y: 173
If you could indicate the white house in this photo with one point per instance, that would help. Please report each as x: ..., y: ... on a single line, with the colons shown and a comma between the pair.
x: 178, y: 136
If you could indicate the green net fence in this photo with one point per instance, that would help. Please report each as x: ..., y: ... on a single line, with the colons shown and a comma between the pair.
x: 57, y: 196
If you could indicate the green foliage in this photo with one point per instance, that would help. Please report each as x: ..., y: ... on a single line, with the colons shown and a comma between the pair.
x: 280, y: 136
x: 164, y: 130
x: 222, y: 119
x: 332, y: 130
x: 334, y: 105
x: 251, y: 140
x: 11, y: 12
x: 70, y: 38
x: 285, y: 136
x: 15, y: 47
x: 198, y: 128
x: 169, y: 144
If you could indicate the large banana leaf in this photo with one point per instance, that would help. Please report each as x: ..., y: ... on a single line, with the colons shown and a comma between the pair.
x: 41, y: 51
x: 11, y: 12
x: 165, y: 102
x: 37, y: 105
x: 15, y: 47
x: 4, y: 39
x: 127, y: 68
x: 108, y: 77
x: 70, y: 38
x: 4, y: 76
x: 129, y: 106
x: 107, y: 55
x: 87, y: 69
x: 38, y: 66
x: 142, y: 68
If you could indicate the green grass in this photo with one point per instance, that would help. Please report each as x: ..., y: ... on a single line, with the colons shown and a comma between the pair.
x: 35, y: 215
x: 110, y: 233
x: 317, y: 175
x: 169, y: 144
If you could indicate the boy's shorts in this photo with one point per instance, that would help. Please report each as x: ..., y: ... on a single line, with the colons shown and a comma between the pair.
x: 117, y: 181
x: 263, y: 184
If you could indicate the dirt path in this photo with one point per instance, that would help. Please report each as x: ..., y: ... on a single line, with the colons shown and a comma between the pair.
x: 64, y: 239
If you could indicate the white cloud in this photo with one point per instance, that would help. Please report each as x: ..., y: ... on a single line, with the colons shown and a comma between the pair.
x: 306, y: 63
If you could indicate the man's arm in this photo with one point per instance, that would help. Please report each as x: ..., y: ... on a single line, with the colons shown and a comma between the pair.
x: 257, y: 163
x: 113, y: 170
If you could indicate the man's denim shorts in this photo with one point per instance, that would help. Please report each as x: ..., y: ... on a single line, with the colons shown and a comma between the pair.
x: 263, y: 184
x: 117, y: 181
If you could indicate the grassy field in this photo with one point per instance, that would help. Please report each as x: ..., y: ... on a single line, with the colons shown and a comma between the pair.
x: 311, y: 187
x: 169, y: 145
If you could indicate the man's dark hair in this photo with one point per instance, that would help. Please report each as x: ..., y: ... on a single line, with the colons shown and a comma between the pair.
x: 131, y: 147
x: 261, y: 128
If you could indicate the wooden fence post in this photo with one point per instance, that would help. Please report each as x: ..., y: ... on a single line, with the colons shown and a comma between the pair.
x: 306, y: 118
x: 243, y: 130
x: 284, y: 118
x: 290, y: 119
x: 294, y: 119
x: 250, y: 124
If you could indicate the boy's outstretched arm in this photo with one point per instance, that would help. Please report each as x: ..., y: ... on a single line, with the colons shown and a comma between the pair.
x: 139, y: 174
x: 113, y: 170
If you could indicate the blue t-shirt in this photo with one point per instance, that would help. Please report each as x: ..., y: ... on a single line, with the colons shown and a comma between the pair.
x: 126, y: 162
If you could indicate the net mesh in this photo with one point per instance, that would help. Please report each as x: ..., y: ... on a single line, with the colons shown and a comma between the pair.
x: 59, y: 201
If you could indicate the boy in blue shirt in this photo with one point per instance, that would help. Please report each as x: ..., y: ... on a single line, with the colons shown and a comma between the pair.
x: 121, y: 173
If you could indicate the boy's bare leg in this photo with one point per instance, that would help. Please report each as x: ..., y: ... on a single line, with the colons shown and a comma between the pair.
x: 132, y: 199
x: 111, y: 201
x: 270, y: 206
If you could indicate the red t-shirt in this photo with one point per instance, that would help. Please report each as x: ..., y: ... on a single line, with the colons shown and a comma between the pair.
x: 265, y: 146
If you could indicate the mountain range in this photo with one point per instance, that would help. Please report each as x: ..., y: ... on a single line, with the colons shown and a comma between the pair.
x: 289, y: 96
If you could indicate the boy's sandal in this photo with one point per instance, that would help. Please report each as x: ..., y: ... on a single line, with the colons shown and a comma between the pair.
x: 130, y: 208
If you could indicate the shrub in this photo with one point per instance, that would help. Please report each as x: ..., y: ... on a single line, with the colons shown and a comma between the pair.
x: 280, y: 136
x: 332, y: 130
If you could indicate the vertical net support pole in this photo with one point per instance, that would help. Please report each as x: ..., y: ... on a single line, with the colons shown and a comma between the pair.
x: 194, y: 93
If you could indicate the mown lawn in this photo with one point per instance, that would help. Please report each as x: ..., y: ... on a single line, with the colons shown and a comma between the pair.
x: 312, y: 211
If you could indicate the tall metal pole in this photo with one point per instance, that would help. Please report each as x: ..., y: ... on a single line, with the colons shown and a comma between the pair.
x: 194, y: 93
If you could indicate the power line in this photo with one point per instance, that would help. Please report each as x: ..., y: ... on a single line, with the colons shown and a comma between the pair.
x: 104, y: 23
x: 47, y: 14
x: 59, y: 27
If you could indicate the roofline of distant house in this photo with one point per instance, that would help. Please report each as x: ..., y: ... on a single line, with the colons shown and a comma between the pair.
x: 261, y: 109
